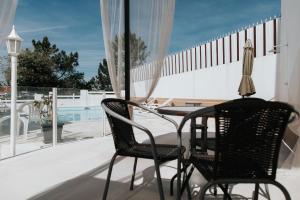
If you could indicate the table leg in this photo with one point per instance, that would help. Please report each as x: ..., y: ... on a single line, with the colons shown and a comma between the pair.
x: 178, y: 197
x: 193, y: 134
x: 204, y: 134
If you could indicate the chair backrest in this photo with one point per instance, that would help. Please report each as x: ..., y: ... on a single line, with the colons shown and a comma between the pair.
x: 248, y: 137
x: 122, y: 132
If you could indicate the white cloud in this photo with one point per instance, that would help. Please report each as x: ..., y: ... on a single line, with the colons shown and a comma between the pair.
x: 43, y: 29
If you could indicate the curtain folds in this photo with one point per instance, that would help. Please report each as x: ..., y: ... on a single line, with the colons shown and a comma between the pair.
x: 288, y: 74
x: 151, y: 24
x: 7, y: 13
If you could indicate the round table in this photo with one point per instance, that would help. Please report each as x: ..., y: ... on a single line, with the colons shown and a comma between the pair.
x: 205, y: 143
x: 178, y: 110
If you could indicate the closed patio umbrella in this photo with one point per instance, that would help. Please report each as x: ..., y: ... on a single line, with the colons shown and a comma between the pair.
x: 246, y: 86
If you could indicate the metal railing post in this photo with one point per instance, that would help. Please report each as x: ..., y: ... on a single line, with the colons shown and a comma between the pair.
x: 54, y: 115
x: 103, y: 117
x: 73, y: 99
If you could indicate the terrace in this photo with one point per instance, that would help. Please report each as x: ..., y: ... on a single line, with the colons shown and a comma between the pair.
x: 76, y: 165
x: 78, y: 170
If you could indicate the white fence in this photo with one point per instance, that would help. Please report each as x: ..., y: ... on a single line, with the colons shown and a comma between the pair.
x: 216, y: 83
x: 86, y: 98
x: 213, y: 70
x: 225, y: 50
x: 78, y: 123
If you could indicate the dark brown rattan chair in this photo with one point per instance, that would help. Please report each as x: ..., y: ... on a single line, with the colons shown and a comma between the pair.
x: 248, y: 137
x: 122, y: 130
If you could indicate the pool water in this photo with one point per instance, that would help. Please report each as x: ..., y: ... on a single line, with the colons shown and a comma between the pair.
x: 67, y: 114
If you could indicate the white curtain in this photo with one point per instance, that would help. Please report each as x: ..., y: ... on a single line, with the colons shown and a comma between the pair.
x: 151, y: 24
x: 7, y: 13
x: 288, y: 69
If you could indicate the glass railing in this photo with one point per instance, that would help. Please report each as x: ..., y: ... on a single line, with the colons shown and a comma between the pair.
x: 79, y: 116
x: 4, y: 128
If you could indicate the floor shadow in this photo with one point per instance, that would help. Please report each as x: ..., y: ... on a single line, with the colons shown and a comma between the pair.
x: 88, y: 187
x: 85, y: 186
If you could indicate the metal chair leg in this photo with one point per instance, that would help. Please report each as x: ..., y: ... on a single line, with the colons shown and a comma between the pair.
x: 278, y: 185
x: 267, y: 192
x: 159, y: 183
x: 172, y: 183
x: 255, y: 195
x: 215, y: 190
x: 188, y: 188
x: 210, y: 184
x: 283, y: 189
x: 186, y: 181
x: 133, y: 173
x: 178, y: 196
x: 173, y: 179
x: 189, y: 193
x: 226, y: 189
x: 203, y: 190
x: 108, y: 176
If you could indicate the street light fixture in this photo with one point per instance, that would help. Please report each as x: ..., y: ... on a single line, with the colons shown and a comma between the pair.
x: 13, y: 44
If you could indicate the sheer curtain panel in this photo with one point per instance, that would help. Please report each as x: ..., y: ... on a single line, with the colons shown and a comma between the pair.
x: 288, y: 69
x: 151, y: 24
x: 7, y: 13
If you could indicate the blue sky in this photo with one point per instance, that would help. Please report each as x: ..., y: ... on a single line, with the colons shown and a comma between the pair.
x: 75, y: 25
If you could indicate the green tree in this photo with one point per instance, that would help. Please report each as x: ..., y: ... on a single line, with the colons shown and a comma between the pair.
x: 75, y: 80
x: 138, y: 53
x: 138, y: 49
x: 138, y: 56
x: 4, y: 63
x: 102, y: 80
x: 47, y: 66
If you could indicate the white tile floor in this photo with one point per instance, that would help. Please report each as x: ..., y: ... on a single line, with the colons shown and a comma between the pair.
x: 77, y: 171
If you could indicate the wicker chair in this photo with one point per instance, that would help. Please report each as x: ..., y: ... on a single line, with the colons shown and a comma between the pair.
x: 248, y: 137
x: 122, y: 130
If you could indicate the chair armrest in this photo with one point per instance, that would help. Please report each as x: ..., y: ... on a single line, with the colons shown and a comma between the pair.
x: 134, y: 124
x: 179, y: 139
x: 155, y: 113
x: 124, y: 119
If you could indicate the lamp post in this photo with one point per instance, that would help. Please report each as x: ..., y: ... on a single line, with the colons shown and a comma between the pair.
x: 13, y: 44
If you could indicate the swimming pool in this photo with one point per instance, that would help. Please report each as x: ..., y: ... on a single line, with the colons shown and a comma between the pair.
x: 67, y: 114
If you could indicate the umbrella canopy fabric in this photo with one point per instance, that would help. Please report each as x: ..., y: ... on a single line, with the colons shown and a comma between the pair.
x: 246, y: 86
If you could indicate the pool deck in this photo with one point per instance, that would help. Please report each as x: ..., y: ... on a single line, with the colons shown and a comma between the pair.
x: 77, y: 170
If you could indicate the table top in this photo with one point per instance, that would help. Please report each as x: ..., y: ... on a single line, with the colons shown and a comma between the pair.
x: 178, y: 110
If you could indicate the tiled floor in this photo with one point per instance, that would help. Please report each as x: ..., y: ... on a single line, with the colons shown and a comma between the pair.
x: 77, y: 171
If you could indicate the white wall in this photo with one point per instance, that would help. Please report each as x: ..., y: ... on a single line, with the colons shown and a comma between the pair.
x: 289, y: 59
x: 288, y: 69
x: 220, y: 82
x: 214, y: 81
x: 86, y: 98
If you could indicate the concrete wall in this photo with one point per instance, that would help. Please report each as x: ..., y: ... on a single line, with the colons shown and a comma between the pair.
x: 86, y: 98
x: 219, y: 82
x: 224, y: 50
x: 212, y: 70
x: 288, y: 69
x: 289, y: 57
